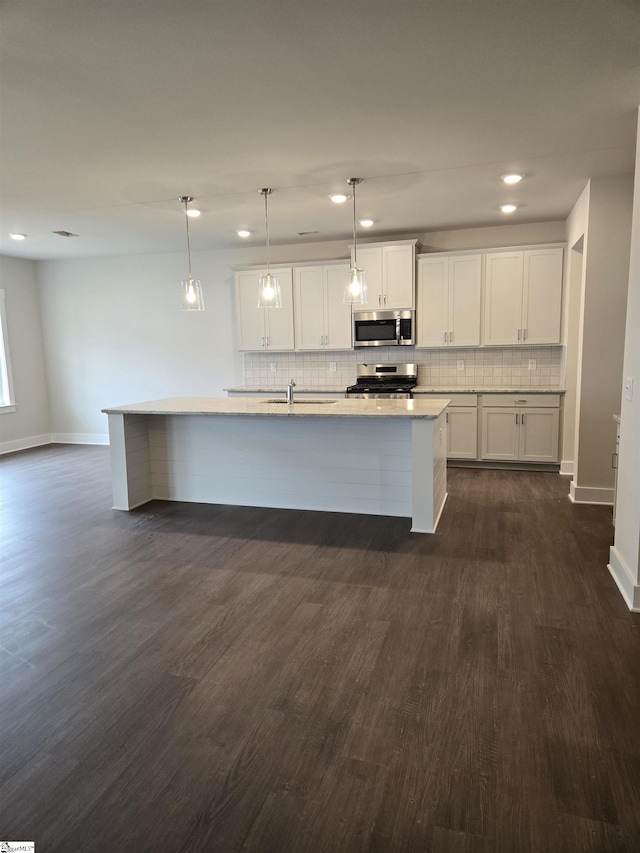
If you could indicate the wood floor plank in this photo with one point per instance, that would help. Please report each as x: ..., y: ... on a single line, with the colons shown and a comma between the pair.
x: 221, y: 678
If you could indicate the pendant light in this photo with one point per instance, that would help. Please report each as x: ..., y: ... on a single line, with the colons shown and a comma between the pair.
x: 191, y: 288
x: 269, y: 295
x: 355, y: 288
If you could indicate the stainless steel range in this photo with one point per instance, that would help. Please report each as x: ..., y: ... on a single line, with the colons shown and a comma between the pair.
x: 384, y: 380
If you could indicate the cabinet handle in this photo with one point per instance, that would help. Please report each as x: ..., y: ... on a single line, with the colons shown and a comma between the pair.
x: 519, y: 334
x: 450, y: 337
x: 524, y: 334
x: 519, y: 401
x: 522, y: 419
x: 267, y: 340
x: 614, y: 460
x: 446, y: 417
x: 444, y: 337
x: 517, y: 420
x: 262, y: 340
x: 385, y: 298
x: 379, y: 300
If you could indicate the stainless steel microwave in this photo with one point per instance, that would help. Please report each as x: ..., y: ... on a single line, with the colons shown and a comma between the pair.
x: 384, y: 328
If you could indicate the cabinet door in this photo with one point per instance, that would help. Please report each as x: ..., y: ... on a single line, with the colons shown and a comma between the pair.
x: 370, y: 260
x: 279, y: 321
x: 433, y: 301
x: 462, y: 432
x: 465, y: 283
x: 503, y: 298
x: 250, y: 319
x: 539, y: 435
x: 337, y: 313
x: 542, y: 296
x: 499, y: 433
x: 309, y: 308
x: 398, y: 276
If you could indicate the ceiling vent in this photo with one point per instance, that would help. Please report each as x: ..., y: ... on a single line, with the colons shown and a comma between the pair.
x: 65, y: 234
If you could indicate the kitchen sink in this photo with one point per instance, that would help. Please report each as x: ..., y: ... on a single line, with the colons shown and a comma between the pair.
x: 301, y: 402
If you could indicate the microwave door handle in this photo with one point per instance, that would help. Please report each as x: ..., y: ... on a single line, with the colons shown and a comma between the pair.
x: 397, y: 330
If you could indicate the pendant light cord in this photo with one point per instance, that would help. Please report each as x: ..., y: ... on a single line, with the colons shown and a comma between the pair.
x: 355, y: 248
x: 186, y: 218
x: 266, y: 226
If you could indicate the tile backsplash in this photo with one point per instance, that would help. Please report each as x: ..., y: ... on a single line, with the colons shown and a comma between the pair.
x: 504, y: 367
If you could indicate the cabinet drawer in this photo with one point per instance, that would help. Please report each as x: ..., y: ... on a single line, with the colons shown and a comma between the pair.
x: 455, y: 399
x: 522, y: 401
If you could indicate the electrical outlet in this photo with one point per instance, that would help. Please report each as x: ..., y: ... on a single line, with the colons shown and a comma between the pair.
x: 460, y: 364
x: 532, y: 364
x: 628, y: 389
x: 332, y: 367
x: 272, y: 367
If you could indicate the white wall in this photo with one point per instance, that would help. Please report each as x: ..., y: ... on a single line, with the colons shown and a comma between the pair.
x: 601, y: 340
x: 577, y: 243
x: 114, y: 333
x: 625, y: 554
x: 493, y: 237
x: 29, y: 425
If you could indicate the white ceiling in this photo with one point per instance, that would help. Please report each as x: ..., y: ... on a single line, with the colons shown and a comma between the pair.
x: 113, y: 108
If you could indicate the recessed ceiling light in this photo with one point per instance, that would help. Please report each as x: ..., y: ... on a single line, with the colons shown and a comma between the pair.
x: 512, y: 178
x: 241, y: 232
x: 508, y: 208
x: 17, y: 236
x: 366, y: 223
x: 338, y: 198
x: 192, y: 211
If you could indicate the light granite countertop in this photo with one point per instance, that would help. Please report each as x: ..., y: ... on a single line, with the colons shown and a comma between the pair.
x: 281, y: 389
x: 342, y: 408
x: 494, y: 389
x: 419, y: 389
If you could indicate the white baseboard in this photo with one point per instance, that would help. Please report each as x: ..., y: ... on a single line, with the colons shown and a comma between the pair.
x: 567, y: 467
x: 624, y: 579
x: 79, y: 438
x: 25, y: 443
x: 590, y: 495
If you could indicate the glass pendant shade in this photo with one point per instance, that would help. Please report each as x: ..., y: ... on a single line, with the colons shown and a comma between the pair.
x: 269, y: 295
x: 192, y: 299
x: 355, y: 290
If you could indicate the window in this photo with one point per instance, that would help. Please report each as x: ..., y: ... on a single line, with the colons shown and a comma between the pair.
x: 7, y: 403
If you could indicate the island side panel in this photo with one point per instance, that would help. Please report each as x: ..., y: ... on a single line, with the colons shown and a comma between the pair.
x: 429, y: 473
x: 130, y: 468
x: 352, y: 465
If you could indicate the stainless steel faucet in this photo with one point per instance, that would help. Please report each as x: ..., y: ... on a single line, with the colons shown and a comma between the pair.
x: 290, y: 388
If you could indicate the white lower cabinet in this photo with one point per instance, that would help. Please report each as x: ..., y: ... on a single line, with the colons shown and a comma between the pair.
x: 462, y: 432
x: 520, y: 428
x: 462, y: 424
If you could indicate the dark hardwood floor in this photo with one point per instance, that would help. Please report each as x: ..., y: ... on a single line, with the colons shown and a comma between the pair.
x: 209, y: 678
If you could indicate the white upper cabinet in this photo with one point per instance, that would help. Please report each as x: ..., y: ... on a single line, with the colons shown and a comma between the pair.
x: 542, y: 296
x: 449, y: 300
x: 322, y: 319
x: 390, y: 272
x: 523, y: 297
x: 264, y: 328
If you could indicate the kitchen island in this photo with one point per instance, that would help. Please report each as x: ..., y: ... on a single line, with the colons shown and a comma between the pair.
x: 378, y: 457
